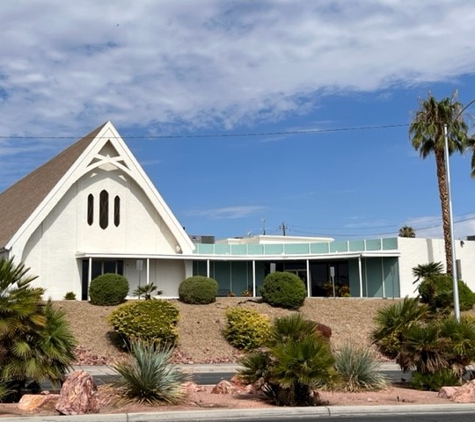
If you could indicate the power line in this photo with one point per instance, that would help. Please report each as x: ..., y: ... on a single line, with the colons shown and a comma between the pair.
x: 227, y: 135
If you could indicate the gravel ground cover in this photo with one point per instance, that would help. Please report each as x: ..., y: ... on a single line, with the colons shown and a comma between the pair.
x: 200, y: 326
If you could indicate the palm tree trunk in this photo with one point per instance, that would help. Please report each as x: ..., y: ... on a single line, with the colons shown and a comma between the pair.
x: 444, y: 202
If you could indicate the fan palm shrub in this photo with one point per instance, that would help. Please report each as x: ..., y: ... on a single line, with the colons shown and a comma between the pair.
x: 358, y: 369
x: 36, y: 342
x: 392, y: 322
x: 149, y: 376
x: 292, y: 366
x: 147, y: 290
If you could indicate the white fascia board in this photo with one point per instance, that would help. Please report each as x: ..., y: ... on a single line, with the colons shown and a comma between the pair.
x: 81, y: 167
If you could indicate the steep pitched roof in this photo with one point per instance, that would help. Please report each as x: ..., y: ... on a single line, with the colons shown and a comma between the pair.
x: 20, y: 200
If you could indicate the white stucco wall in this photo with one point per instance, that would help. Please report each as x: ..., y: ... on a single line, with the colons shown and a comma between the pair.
x: 51, y: 250
x: 422, y: 251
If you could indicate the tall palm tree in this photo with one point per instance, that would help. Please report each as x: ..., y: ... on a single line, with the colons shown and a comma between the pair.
x: 427, y: 137
x: 407, y: 231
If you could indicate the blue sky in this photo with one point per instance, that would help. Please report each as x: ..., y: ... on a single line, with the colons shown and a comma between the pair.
x: 226, y: 81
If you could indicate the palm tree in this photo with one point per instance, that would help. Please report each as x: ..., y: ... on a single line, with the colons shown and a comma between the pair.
x: 407, y: 231
x: 427, y: 137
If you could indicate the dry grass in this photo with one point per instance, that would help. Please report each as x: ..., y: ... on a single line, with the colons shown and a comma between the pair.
x: 200, y: 326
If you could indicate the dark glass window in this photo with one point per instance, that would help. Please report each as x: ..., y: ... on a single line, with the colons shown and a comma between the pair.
x: 104, y: 209
x: 90, y: 209
x: 116, y: 211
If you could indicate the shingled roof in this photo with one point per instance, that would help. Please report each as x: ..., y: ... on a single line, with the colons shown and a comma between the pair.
x: 20, y: 200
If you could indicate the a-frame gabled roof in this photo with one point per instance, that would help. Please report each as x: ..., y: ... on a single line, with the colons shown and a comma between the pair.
x: 20, y: 200
x: 24, y: 204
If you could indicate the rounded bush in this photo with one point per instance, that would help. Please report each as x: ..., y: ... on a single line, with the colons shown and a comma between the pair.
x: 198, y: 290
x: 284, y: 290
x: 108, y: 289
x: 437, y: 291
x: 246, y: 329
x: 150, y: 321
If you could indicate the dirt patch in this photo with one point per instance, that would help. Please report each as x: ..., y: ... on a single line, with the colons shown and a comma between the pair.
x: 200, y: 326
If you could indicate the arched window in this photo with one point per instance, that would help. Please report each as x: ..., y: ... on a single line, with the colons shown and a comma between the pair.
x: 90, y: 209
x: 117, y: 211
x: 104, y: 209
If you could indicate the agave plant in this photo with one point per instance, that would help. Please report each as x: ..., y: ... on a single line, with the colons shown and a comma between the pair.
x: 149, y: 377
x: 358, y: 369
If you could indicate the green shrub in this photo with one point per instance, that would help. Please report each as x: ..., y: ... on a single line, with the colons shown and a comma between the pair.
x: 437, y: 291
x: 198, y: 290
x: 36, y: 341
x: 393, y: 321
x: 152, y: 321
x: 434, y: 382
x: 149, y: 376
x: 70, y: 296
x: 246, y: 329
x: 291, y: 367
x: 283, y: 289
x: 358, y: 369
x: 108, y: 289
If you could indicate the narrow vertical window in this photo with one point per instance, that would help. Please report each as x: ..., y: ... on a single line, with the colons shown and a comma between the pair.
x: 104, y: 209
x: 117, y: 211
x: 90, y: 209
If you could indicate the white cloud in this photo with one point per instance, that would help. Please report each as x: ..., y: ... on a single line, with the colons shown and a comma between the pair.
x: 217, y: 63
x: 226, y: 212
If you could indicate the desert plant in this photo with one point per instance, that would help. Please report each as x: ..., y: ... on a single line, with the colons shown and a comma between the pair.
x: 434, y: 381
x: 147, y: 290
x: 246, y: 329
x: 36, y: 342
x: 283, y: 289
x: 198, y: 290
x: 152, y: 321
x: 149, y: 376
x: 393, y: 321
x: 358, y: 369
x: 289, y: 371
x: 247, y: 293
x: 437, y: 292
x: 422, y: 271
x: 108, y: 289
x: 70, y: 296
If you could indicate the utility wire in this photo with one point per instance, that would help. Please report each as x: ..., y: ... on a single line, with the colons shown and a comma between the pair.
x: 226, y: 135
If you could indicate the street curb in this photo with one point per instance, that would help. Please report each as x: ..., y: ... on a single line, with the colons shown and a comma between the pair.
x: 243, y: 414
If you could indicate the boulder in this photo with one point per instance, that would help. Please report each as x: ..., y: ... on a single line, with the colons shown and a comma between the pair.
x: 32, y: 403
x: 78, y: 395
x: 465, y: 393
x: 447, y: 392
x: 224, y: 387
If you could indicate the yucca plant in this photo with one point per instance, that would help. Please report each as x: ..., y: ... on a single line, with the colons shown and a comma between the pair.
x: 358, y: 369
x: 149, y: 377
x: 147, y: 291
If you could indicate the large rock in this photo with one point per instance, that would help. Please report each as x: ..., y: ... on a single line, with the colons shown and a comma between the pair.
x: 447, y: 392
x: 224, y: 387
x: 32, y: 403
x: 465, y: 393
x: 78, y: 395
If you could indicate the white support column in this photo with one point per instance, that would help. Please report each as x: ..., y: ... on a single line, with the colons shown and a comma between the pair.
x: 360, y: 276
x: 382, y: 277
x: 309, y: 293
x: 207, y: 268
x: 148, y: 271
x: 89, y: 272
x: 253, y: 278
